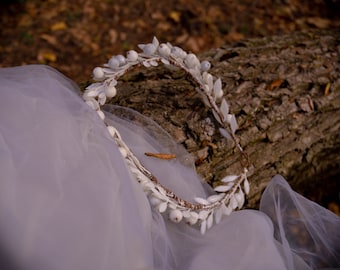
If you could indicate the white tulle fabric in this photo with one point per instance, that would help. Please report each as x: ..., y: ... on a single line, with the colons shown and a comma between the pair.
x: 68, y: 201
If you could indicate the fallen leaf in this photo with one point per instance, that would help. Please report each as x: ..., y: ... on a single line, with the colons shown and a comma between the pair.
x: 50, y: 39
x: 160, y: 155
x: 327, y: 88
x: 44, y: 57
x: 319, y: 22
x: 59, y: 26
x: 175, y: 15
x: 275, y: 84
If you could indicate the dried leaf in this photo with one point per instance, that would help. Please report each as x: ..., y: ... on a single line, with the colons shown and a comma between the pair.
x: 59, y: 26
x: 327, y: 88
x: 160, y: 155
x: 47, y: 57
x: 275, y: 84
x: 175, y: 15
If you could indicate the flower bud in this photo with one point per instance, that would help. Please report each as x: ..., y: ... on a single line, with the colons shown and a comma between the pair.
x: 113, y: 63
x: 205, y: 65
x: 164, y: 50
x: 98, y: 73
x: 132, y: 55
x: 176, y: 216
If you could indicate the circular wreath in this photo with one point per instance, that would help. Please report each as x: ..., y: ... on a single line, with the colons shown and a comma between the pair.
x: 229, y: 196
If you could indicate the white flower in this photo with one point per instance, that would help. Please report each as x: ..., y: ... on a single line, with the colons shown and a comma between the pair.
x: 176, y: 216
x: 149, y: 49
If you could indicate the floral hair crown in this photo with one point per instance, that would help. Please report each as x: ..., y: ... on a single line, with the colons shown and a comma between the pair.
x: 229, y: 196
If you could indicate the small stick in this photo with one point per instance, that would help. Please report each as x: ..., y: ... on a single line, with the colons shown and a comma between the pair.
x: 160, y: 155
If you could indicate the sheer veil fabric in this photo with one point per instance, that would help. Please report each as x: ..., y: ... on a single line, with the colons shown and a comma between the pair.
x: 68, y: 201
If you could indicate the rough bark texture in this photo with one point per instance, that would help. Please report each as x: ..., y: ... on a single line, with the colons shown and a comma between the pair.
x: 285, y: 92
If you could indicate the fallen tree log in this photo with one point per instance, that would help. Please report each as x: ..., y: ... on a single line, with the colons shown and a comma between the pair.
x: 285, y: 93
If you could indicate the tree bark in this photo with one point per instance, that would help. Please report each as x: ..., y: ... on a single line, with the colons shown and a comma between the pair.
x: 285, y: 93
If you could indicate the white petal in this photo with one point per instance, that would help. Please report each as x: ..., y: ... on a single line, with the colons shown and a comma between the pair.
x: 191, y: 61
x: 92, y: 103
x: 224, y: 108
x: 233, y: 202
x: 227, y: 210
x: 146, y: 64
x: 162, y: 207
x: 123, y: 152
x: 101, y: 99
x: 246, y: 186
x: 218, y: 215
x: 203, y: 227
x: 154, y: 63
x: 218, y: 93
x: 154, y: 201
x: 233, y: 122
x: 223, y: 188
x: 225, y: 133
x: 210, y: 221
x: 201, y: 201
x: 112, y: 130
x: 240, y: 199
x: 217, y: 117
x: 229, y: 178
x: 203, y: 214
x: 165, y: 62
x: 215, y: 198
x: 155, y: 42
x: 94, y: 85
x: 90, y: 94
x: 101, y: 114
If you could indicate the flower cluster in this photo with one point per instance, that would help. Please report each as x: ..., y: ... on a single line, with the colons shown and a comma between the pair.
x: 229, y: 196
